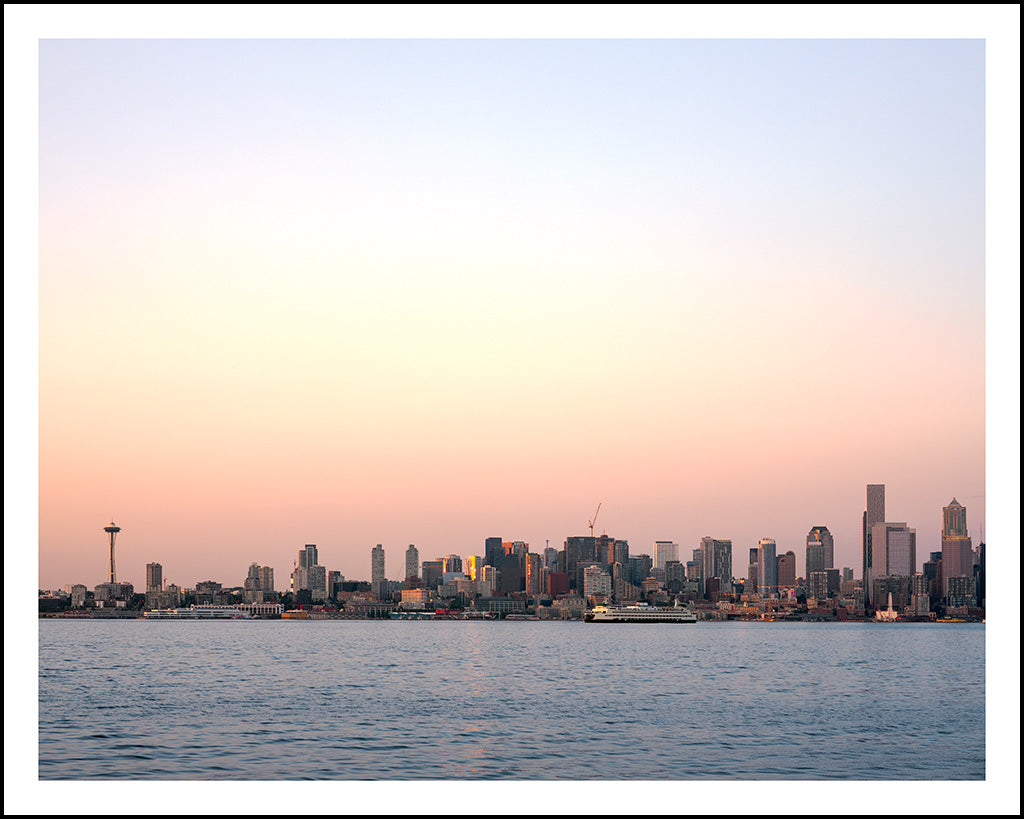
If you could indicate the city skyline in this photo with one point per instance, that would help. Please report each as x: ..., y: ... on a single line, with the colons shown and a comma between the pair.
x: 569, y: 318
x: 709, y: 555
x: 401, y: 558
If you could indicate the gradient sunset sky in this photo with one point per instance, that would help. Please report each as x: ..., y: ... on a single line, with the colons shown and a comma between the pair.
x: 349, y: 292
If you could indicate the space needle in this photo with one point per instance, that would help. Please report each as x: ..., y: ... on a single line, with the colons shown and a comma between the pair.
x: 112, y: 530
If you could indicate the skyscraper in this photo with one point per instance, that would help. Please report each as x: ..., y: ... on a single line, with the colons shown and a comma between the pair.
x: 820, y: 550
x: 534, y: 565
x: 874, y: 513
x: 493, y: 551
x: 266, y: 579
x: 893, y: 554
x: 412, y: 562
x: 578, y: 548
x: 377, y: 579
x: 787, y: 570
x: 716, y: 556
x: 665, y: 550
x: 767, y: 568
x: 154, y: 577
x: 957, y: 554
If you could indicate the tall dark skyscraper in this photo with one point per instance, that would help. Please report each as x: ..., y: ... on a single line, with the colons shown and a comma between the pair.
x: 493, y: 551
x: 820, y: 550
x: 873, y: 514
x: 578, y: 548
x: 767, y: 568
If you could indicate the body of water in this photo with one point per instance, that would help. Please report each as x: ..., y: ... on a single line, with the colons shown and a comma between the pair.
x: 356, y: 700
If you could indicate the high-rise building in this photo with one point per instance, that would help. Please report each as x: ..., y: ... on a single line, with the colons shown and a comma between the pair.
x: 377, y: 578
x: 596, y: 581
x: 474, y: 564
x: 893, y: 554
x: 751, y: 584
x: 874, y: 513
x: 433, y: 574
x: 954, y: 519
x: 451, y: 563
x: 823, y: 583
x: 316, y: 578
x: 534, y: 564
x: 266, y: 579
x: 493, y: 551
x: 787, y: 570
x: 412, y: 562
x: 767, y: 568
x: 308, y: 556
x: 716, y: 558
x: 639, y: 568
x: 578, y: 549
x: 665, y: 550
x: 957, y: 554
x: 820, y: 550
x: 154, y: 577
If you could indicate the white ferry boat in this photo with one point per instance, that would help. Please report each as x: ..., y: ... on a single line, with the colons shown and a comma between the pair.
x: 640, y: 613
x: 200, y: 612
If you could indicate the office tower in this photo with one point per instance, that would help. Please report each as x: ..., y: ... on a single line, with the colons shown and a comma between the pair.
x: 412, y: 562
x: 335, y: 579
x: 112, y: 531
x: 787, y: 570
x: 533, y: 573
x: 596, y: 581
x: 639, y: 568
x: 874, y: 513
x: 266, y: 579
x: 751, y: 585
x: 377, y: 579
x: 823, y: 584
x: 820, y: 550
x: 451, y: 564
x: 433, y: 573
x: 767, y: 568
x: 716, y: 557
x: 675, y: 576
x: 473, y: 566
x: 492, y: 551
x: 307, y: 559
x: 893, y: 554
x: 578, y: 548
x: 154, y: 577
x: 316, y: 582
x: 954, y: 519
x: 308, y: 556
x: 957, y: 555
x: 665, y: 550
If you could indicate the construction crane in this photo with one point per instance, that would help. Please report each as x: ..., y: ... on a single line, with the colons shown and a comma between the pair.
x: 591, y: 523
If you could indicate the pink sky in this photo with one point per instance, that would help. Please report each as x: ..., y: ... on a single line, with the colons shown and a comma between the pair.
x: 487, y: 286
